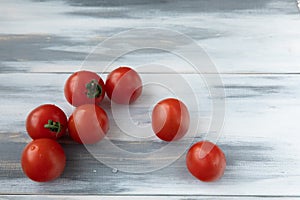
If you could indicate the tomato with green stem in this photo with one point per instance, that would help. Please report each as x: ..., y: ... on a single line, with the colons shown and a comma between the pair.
x: 46, y: 121
x: 84, y: 87
x: 43, y: 160
x: 206, y: 161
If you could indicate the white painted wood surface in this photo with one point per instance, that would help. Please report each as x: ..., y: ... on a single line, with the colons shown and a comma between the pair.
x: 249, y: 36
x: 254, y: 44
x: 259, y: 138
x: 70, y: 197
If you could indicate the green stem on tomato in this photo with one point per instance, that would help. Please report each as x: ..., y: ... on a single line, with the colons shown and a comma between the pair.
x: 53, y: 126
x: 94, y: 90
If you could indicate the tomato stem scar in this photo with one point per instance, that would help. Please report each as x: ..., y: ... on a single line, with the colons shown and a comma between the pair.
x: 94, y: 90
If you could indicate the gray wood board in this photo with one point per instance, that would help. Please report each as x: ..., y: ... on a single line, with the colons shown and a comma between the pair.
x: 259, y: 138
x: 257, y: 36
x: 253, y: 44
x: 125, y: 197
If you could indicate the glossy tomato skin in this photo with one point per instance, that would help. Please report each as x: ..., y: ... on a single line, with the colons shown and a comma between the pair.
x: 123, y: 85
x: 46, y: 121
x: 88, y: 124
x: 43, y: 160
x: 170, y: 119
x: 84, y: 87
x: 206, y: 161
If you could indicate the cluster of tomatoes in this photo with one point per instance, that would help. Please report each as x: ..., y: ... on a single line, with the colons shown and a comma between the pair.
x: 44, y: 159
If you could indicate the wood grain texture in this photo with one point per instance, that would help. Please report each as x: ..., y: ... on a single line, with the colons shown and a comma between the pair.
x: 94, y: 197
x: 253, y: 43
x: 260, y: 160
x: 257, y: 36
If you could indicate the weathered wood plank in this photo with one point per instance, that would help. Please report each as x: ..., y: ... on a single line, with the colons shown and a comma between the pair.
x: 254, y: 168
x: 94, y: 197
x: 260, y: 134
x: 262, y: 34
x: 259, y: 98
x: 259, y: 138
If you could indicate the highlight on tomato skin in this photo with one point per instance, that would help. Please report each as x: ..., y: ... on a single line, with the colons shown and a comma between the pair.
x: 84, y: 87
x: 170, y: 119
x: 206, y: 161
x: 88, y: 124
x: 43, y: 160
x: 123, y: 85
x: 46, y: 121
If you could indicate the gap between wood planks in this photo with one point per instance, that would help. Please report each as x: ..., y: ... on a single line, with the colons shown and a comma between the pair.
x: 148, y: 197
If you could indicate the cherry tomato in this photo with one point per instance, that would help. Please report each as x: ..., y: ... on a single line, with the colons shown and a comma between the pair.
x: 88, y: 124
x: 46, y: 121
x: 84, y: 87
x: 123, y: 85
x: 206, y: 161
x: 43, y: 160
x: 170, y: 119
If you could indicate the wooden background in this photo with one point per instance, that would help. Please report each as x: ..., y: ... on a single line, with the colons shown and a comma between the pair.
x: 255, y: 45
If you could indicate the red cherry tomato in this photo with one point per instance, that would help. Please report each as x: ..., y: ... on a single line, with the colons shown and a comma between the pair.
x: 43, y: 160
x: 88, y: 124
x: 206, y: 161
x: 123, y: 85
x: 46, y: 121
x: 170, y: 119
x: 84, y: 87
